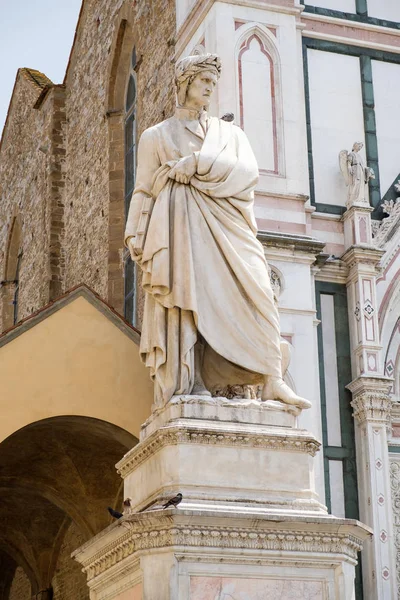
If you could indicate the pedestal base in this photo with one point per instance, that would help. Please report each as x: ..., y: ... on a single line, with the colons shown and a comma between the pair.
x: 250, y: 525
x: 190, y: 555
x: 234, y: 454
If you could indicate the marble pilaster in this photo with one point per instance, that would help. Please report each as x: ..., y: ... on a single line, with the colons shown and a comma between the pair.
x: 372, y: 406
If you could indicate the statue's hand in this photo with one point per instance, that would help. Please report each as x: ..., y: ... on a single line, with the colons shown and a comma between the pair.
x: 135, y: 252
x: 184, y: 169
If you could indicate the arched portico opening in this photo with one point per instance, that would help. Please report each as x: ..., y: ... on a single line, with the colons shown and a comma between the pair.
x: 57, y: 477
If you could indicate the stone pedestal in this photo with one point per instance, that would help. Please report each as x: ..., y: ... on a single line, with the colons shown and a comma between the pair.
x: 250, y: 524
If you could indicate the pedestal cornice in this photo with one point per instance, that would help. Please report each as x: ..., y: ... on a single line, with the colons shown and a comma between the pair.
x: 238, y: 436
x: 300, y: 536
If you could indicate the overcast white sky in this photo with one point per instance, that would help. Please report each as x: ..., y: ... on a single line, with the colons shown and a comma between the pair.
x: 37, y: 34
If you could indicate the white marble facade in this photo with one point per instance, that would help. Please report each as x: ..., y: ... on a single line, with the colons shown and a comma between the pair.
x: 262, y: 82
x: 386, y: 77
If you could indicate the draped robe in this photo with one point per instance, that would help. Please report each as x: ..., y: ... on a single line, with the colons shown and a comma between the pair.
x: 204, y: 270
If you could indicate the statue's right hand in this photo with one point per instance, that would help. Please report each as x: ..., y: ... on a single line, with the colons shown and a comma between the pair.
x: 135, y: 252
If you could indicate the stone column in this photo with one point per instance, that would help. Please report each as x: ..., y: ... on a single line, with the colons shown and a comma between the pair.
x: 371, y: 402
x: 372, y: 405
x: 362, y: 259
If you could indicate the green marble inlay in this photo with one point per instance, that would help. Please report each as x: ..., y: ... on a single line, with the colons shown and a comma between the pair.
x: 347, y: 452
x: 361, y: 16
x: 361, y: 8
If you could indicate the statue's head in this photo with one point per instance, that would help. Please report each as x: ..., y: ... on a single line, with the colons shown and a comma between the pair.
x: 195, y: 78
x: 357, y: 146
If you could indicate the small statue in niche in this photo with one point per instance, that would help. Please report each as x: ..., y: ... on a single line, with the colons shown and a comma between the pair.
x: 356, y: 175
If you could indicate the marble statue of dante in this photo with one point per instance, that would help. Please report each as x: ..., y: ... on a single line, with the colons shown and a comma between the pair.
x: 356, y: 174
x: 209, y: 313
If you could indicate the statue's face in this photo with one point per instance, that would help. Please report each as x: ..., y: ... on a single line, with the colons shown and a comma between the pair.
x: 357, y: 146
x: 199, y: 92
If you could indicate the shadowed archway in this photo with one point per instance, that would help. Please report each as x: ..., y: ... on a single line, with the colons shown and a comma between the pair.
x: 54, y: 474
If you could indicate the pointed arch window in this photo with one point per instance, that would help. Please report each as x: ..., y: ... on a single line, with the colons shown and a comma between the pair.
x: 11, y: 283
x: 261, y: 114
x: 130, y: 170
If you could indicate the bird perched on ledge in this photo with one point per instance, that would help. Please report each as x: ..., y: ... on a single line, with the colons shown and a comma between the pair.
x: 174, y: 501
x: 127, y: 506
x: 114, y: 513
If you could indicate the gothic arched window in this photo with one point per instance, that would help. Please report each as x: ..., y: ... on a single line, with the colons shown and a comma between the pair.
x: 130, y: 168
x: 261, y: 114
x: 10, y: 285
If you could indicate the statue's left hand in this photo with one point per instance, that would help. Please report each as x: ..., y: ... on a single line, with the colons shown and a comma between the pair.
x: 184, y: 169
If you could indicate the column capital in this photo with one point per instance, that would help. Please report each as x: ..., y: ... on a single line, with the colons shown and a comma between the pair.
x: 365, y: 254
x: 371, y: 400
x: 361, y: 208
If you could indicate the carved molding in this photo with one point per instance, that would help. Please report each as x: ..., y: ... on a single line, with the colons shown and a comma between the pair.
x: 142, y: 536
x: 293, y: 242
x: 365, y: 255
x: 395, y: 485
x: 371, y: 399
x: 275, y: 280
x: 383, y: 231
x: 168, y: 436
x: 372, y: 406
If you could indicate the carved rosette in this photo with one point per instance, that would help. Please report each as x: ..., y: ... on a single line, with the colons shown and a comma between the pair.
x: 142, y: 536
x: 275, y: 280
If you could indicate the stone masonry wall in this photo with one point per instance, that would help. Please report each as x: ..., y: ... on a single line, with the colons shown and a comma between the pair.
x: 20, y: 587
x: 94, y: 211
x: 25, y: 190
x: 69, y: 583
x: 62, y: 165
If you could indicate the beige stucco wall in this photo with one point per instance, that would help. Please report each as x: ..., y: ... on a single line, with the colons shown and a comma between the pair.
x: 75, y: 362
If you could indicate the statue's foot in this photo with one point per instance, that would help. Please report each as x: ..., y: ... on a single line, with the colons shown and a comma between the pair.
x: 276, y: 389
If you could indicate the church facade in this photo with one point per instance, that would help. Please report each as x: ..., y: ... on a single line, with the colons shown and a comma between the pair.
x: 306, y: 81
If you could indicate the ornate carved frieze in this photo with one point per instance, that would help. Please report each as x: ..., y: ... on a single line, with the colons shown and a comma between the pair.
x: 371, y: 399
x: 395, y: 485
x: 147, y: 536
x: 384, y: 230
x: 372, y: 406
x: 296, y: 441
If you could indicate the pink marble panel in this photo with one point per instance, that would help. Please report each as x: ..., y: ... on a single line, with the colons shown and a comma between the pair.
x: 327, y: 225
x: 235, y: 588
x: 285, y: 227
x: 352, y: 31
x: 335, y: 249
x: 362, y: 223
x: 135, y: 593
